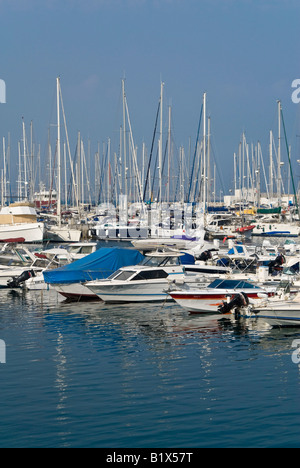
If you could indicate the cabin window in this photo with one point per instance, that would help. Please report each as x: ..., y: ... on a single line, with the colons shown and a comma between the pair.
x: 151, y: 274
x: 114, y: 275
x: 205, y: 270
x: 86, y: 249
x: 121, y: 275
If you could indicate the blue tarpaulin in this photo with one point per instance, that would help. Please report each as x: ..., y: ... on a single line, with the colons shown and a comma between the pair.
x: 97, y: 265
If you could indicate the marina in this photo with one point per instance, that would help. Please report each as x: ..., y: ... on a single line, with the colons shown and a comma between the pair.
x: 149, y: 227
x: 132, y: 321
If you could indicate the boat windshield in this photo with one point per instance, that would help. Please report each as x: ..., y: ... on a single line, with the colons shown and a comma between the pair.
x: 114, y: 275
x: 160, y: 261
x: 152, y: 274
x: 232, y: 284
x: 121, y: 275
x: 290, y: 271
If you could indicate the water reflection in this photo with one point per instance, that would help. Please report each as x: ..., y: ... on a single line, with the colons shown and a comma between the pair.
x: 109, y: 375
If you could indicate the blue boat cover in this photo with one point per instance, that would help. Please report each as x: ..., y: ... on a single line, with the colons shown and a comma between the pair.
x: 98, y: 265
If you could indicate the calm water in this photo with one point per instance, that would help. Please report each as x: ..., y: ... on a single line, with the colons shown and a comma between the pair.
x: 94, y: 375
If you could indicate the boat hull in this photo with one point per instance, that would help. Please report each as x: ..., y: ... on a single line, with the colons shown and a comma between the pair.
x: 276, y: 230
x: 75, y: 292
x: 207, y: 302
x: 119, y: 294
x: 63, y: 235
x: 27, y: 232
x: 284, y: 314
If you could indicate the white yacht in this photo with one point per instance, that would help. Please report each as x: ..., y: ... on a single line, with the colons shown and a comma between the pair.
x: 141, y: 283
x: 18, y: 223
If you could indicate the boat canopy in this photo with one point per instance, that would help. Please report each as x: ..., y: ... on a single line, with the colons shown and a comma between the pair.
x: 269, y: 210
x: 98, y: 265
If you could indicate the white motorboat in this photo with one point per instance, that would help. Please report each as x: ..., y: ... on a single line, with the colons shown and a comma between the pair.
x: 277, y: 311
x: 71, y: 252
x: 18, y: 223
x: 58, y: 257
x: 273, y: 229
x: 146, y: 282
x: 14, y: 275
x: 210, y: 298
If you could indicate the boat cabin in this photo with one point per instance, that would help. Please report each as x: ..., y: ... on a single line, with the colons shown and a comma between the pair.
x: 18, y: 213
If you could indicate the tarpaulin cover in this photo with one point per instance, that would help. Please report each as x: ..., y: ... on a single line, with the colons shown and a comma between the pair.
x: 97, y: 265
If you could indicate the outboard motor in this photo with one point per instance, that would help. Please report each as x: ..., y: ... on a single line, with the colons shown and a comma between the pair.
x: 276, y: 265
x: 240, y: 300
x: 206, y: 255
x: 16, y: 281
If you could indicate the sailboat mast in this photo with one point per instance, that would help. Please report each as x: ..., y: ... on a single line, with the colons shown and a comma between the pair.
x: 279, y: 155
x: 208, y: 162
x: 25, y: 165
x: 204, y: 150
x: 4, y: 171
x: 124, y: 139
x: 169, y: 155
x: 58, y: 156
x: 160, y: 141
x: 271, y: 165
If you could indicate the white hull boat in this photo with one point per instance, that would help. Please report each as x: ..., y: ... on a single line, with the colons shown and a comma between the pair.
x: 37, y: 283
x: 123, y: 293
x: 278, y: 312
x: 147, y: 282
x: 211, y: 298
x: 276, y: 230
x: 63, y: 234
x: 7, y: 274
x: 75, y: 292
x: 25, y: 232
x: 18, y: 223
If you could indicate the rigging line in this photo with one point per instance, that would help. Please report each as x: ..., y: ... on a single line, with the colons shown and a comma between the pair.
x: 220, y: 175
x: 102, y: 176
x: 153, y: 178
x: 151, y: 153
x: 163, y: 167
x: 195, y: 154
x: 292, y: 175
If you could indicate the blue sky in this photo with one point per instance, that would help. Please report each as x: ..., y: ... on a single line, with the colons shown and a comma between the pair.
x: 243, y: 53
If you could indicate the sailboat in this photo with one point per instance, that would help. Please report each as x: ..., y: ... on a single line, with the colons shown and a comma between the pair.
x: 61, y: 233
